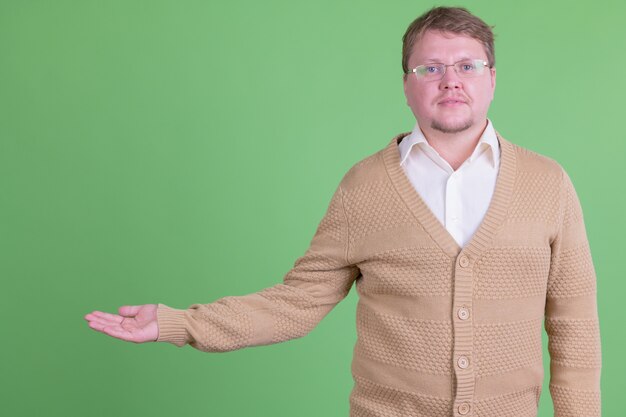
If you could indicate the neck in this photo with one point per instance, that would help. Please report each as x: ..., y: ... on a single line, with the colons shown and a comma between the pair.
x: 454, y: 148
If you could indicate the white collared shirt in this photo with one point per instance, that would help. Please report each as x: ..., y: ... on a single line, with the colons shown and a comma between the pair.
x: 459, y: 199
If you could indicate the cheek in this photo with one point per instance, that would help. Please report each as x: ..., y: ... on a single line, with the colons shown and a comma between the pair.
x: 488, y: 97
x: 422, y: 97
x: 483, y: 95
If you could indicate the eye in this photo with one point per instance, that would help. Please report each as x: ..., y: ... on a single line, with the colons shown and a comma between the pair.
x: 428, y: 70
x: 467, y: 67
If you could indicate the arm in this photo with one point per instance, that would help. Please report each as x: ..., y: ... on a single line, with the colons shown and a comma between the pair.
x: 317, y: 282
x: 571, y: 317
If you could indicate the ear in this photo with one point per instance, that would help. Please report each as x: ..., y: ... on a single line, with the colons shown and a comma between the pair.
x: 493, y: 77
x: 405, y: 82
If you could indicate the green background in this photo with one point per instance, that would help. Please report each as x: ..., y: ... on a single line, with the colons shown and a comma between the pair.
x: 182, y: 151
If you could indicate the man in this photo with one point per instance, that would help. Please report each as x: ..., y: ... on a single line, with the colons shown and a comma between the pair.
x: 461, y: 245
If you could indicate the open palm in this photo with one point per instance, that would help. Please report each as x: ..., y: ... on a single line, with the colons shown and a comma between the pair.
x: 136, y: 324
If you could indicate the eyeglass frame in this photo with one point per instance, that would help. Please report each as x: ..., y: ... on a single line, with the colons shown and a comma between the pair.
x: 445, y: 68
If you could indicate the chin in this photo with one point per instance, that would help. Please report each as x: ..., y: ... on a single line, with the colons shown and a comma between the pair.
x: 451, y: 127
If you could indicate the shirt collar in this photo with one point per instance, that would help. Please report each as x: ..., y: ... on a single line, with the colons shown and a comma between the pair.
x: 487, y: 140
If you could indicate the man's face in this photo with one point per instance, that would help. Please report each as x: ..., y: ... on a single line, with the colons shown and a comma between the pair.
x: 427, y: 99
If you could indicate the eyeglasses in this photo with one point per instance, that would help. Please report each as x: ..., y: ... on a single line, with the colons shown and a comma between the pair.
x: 465, y: 69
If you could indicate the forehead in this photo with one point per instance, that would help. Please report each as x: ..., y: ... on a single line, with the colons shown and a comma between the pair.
x: 446, y: 46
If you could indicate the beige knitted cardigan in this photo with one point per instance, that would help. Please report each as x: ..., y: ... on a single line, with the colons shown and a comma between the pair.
x: 442, y: 330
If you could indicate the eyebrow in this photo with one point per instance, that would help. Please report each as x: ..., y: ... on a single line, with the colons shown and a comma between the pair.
x: 464, y: 57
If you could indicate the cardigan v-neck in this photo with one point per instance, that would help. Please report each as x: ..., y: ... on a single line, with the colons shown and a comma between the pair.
x: 493, y: 217
x: 458, y: 197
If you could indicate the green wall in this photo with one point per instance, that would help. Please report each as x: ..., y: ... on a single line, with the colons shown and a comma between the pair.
x: 182, y: 151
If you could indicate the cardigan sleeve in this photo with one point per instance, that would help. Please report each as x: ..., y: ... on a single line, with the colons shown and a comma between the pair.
x: 318, y: 280
x: 571, y: 316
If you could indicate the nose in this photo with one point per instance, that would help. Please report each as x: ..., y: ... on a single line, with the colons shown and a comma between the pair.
x: 450, y: 80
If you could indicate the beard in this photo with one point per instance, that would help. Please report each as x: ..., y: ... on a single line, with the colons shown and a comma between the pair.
x: 451, y: 128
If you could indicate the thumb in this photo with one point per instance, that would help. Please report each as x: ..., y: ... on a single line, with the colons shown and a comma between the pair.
x: 129, y: 311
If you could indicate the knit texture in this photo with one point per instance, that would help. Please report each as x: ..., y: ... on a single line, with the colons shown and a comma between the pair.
x: 441, y: 330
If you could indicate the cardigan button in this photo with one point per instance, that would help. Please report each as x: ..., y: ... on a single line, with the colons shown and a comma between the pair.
x: 464, y: 261
x: 464, y: 408
x: 463, y: 313
x: 463, y: 362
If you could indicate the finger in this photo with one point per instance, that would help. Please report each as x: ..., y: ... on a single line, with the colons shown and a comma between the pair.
x: 113, y: 331
x: 98, y: 325
x: 103, y: 321
x: 129, y: 311
x: 107, y: 316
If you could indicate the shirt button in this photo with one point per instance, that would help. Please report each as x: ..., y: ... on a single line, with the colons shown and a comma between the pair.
x: 464, y: 408
x: 463, y: 313
x: 463, y: 261
x: 463, y: 362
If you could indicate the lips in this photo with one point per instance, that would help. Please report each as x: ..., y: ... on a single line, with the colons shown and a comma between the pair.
x: 452, y: 101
